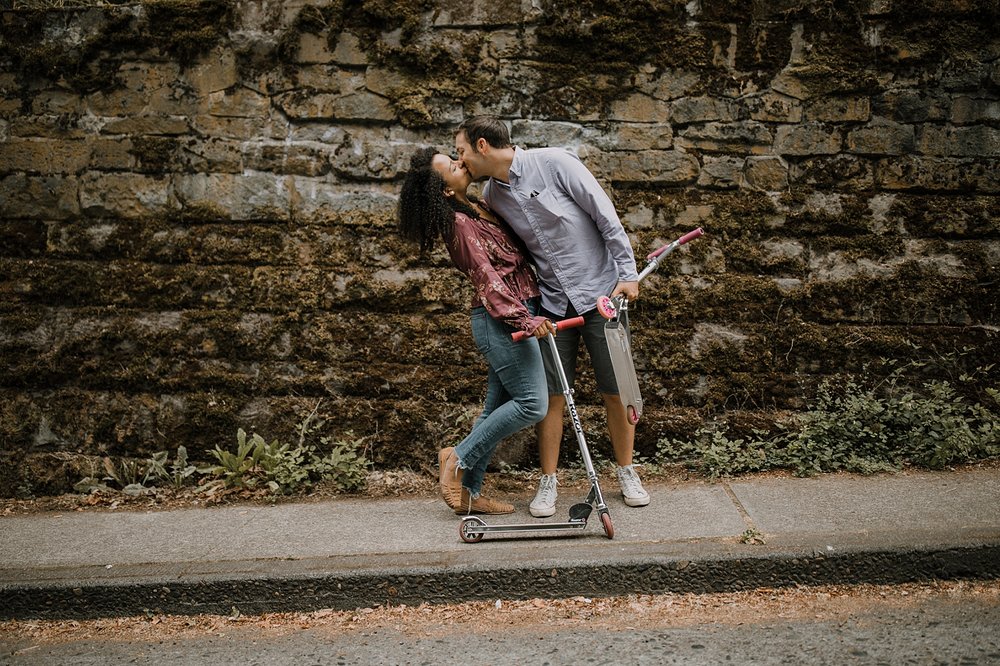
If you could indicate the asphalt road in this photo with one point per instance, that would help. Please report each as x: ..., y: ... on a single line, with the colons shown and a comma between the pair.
x: 957, y: 625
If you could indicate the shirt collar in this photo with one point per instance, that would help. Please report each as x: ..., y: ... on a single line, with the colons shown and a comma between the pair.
x: 515, y: 165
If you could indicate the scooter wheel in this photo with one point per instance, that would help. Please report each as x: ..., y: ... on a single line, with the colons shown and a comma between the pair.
x: 465, y: 529
x: 606, y: 307
x: 633, y: 415
x: 609, y: 529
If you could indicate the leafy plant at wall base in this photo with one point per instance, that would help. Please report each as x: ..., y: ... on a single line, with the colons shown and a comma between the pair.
x: 857, y: 428
x: 284, y: 468
x: 343, y: 465
x: 129, y: 476
x: 713, y: 453
x: 179, y: 471
x: 236, y: 469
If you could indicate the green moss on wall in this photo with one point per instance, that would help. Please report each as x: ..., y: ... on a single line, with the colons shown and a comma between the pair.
x: 182, y: 29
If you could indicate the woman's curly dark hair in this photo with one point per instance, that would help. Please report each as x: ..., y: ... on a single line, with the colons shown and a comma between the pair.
x: 424, y: 212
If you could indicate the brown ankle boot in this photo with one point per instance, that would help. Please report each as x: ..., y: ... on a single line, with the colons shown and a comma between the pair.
x: 449, y: 477
x: 482, y: 505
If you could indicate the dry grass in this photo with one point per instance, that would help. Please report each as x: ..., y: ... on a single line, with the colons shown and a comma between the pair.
x: 647, y: 611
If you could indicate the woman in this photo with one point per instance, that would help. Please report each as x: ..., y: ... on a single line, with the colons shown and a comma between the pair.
x: 434, y: 203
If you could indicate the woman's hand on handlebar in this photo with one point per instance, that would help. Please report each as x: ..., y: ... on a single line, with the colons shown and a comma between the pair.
x: 544, y: 329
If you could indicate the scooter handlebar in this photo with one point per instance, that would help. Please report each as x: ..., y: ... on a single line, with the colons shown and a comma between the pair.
x: 565, y: 323
x: 689, y: 236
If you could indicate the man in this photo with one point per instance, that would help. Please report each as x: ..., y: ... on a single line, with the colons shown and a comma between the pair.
x: 581, y: 252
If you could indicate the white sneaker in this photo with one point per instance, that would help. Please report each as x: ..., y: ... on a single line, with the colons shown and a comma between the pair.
x: 544, y: 504
x: 632, y: 490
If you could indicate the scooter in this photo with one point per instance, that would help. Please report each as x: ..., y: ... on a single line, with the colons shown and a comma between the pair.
x: 615, y: 310
x: 473, y: 528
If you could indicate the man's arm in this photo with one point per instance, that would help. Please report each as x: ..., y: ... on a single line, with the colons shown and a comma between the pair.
x: 584, y: 189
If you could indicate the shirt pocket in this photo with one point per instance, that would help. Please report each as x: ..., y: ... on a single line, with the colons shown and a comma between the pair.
x: 546, y: 207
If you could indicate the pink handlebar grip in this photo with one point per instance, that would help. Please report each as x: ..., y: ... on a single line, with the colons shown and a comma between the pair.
x: 565, y: 323
x: 689, y: 236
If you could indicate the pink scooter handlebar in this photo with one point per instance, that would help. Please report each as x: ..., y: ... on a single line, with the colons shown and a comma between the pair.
x: 689, y: 236
x: 565, y: 323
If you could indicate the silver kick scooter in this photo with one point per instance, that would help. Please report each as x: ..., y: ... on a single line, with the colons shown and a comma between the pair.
x: 473, y: 528
x: 615, y: 310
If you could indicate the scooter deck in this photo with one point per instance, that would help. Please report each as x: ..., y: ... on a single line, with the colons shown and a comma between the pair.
x: 620, y: 349
x: 578, y: 514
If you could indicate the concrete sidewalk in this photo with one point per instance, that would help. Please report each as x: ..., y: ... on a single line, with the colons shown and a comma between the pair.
x: 350, y: 553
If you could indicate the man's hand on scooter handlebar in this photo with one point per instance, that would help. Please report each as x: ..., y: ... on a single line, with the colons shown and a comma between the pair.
x: 630, y: 290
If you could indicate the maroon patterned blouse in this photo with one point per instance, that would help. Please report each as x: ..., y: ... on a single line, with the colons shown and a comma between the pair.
x: 498, y: 268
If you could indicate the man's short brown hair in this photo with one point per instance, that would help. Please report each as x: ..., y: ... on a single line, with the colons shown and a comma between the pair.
x: 490, y: 128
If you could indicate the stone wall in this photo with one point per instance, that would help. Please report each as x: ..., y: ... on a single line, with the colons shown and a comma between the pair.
x: 197, y: 202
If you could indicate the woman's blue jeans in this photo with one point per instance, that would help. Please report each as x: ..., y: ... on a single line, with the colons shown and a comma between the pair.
x: 516, y: 394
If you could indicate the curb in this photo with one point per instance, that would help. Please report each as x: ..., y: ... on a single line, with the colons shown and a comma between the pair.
x: 302, y: 586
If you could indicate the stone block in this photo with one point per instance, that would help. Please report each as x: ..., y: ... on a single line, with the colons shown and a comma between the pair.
x: 669, y: 84
x: 744, y: 137
x: 721, y: 172
x: 836, y: 171
x: 237, y: 103
x: 315, y: 78
x: 542, y: 133
x: 214, y: 155
x: 275, y: 126
x: 974, y: 141
x: 55, y: 102
x: 44, y: 156
x: 214, y: 72
x: 358, y: 105
x: 287, y: 158
x: 145, y: 87
x: 481, y: 13
x: 317, y: 200
x: 117, y: 103
x: 881, y: 137
x: 633, y: 136
x: 313, y: 49
x: 766, y: 173
x: 807, y: 139
x: 646, y: 166
x: 349, y: 50
x: 167, y: 126
x: 913, y: 106
x: 638, y: 217
x: 9, y: 107
x: 244, y: 196
x: 639, y: 108
x: 939, y: 174
x: 970, y: 110
x: 772, y: 107
x: 46, y: 127
x: 125, y: 195
x: 386, y: 82
x: 688, y: 110
x: 107, y: 154
x: 39, y: 197
x: 510, y: 43
x: 366, y: 159
x: 838, y: 110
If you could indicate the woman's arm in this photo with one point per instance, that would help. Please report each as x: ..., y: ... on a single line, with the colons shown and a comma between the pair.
x: 469, y: 256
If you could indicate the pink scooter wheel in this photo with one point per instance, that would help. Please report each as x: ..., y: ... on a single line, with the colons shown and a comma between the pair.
x: 633, y: 416
x: 606, y: 307
x: 609, y: 529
